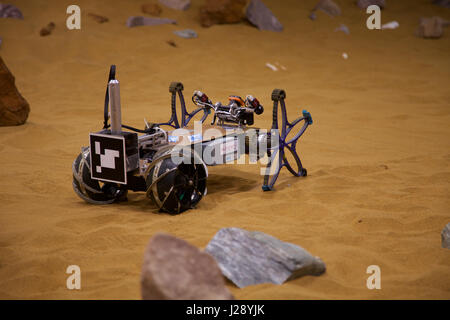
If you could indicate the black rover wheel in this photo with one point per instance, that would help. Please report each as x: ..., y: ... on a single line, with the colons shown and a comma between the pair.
x: 175, y: 188
x: 90, y: 190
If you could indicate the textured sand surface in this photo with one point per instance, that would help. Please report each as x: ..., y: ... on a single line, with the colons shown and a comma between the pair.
x: 378, y: 153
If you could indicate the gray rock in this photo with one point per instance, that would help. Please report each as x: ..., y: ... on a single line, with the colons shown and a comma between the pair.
x: 248, y: 258
x: 176, y: 270
x: 136, y: 21
x: 261, y: 16
x: 343, y: 28
x: 329, y: 7
x: 445, y: 236
x: 10, y: 11
x: 186, y: 33
x: 442, y: 3
x: 363, y: 4
x: 176, y: 4
x: 1, y: 40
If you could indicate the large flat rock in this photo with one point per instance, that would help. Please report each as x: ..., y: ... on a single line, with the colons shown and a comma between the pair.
x: 251, y: 257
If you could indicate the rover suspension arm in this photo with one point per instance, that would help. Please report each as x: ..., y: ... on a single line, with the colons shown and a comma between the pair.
x: 176, y: 88
x: 277, y: 152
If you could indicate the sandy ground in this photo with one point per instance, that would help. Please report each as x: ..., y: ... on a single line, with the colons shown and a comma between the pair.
x: 378, y: 153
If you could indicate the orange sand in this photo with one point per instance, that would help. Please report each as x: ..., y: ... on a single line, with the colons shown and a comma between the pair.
x: 378, y: 154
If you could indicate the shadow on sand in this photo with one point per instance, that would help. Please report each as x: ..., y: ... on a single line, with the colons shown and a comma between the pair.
x: 217, y: 184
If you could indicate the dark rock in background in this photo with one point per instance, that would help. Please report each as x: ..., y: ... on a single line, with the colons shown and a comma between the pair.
x: 10, y: 11
x: 98, y: 18
x: 171, y: 43
x: 442, y: 3
x: 175, y: 270
x: 363, y: 4
x: 261, y: 16
x: 222, y: 12
x: 431, y: 28
x: 445, y: 236
x: 177, y: 4
x: 329, y: 7
x: 47, y: 30
x: 137, y: 21
x: 14, y: 109
x: 152, y: 9
x: 248, y: 258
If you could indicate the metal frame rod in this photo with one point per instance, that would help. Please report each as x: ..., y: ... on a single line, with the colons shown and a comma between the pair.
x: 114, y: 107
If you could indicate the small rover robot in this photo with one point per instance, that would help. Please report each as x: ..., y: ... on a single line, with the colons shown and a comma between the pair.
x: 118, y: 159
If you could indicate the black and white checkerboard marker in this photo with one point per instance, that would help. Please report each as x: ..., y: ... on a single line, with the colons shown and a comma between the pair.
x: 108, y: 160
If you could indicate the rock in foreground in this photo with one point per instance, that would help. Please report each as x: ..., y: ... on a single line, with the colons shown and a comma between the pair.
x: 175, y: 270
x: 222, y: 12
x: 14, y: 108
x: 431, y: 27
x: 10, y: 11
x: 137, y: 21
x: 445, y: 236
x: 261, y: 16
x: 248, y: 258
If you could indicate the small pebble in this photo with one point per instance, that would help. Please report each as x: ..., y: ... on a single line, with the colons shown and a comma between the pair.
x: 271, y: 66
x: 172, y: 43
x: 345, y: 55
x: 343, y: 28
x: 280, y: 66
x: 390, y: 25
x: 187, y: 33
x: 98, y: 18
x: 47, y: 30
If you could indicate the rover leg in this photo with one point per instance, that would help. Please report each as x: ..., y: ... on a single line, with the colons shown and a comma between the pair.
x: 277, y: 154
